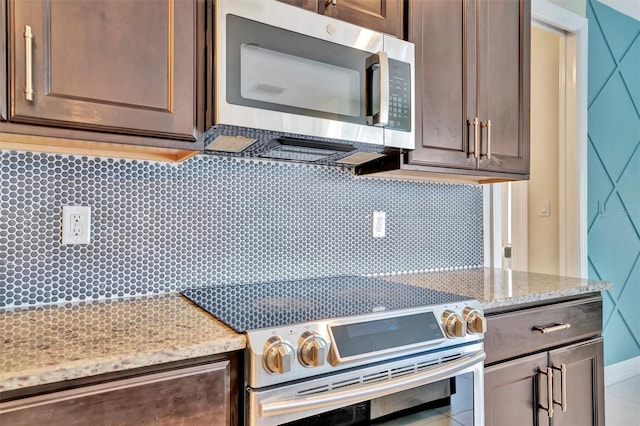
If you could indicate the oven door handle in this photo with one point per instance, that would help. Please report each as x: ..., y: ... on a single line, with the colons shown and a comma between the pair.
x: 371, y: 391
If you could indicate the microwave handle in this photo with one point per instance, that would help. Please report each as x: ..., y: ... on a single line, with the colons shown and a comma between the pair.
x: 378, y: 60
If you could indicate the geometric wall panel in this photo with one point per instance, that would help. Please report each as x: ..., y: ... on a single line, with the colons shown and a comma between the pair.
x: 614, y: 125
x: 613, y: 245
x: 628, y: 187
x: 599, y: 184
x: 619, y: 29
x: 614, y: 173
x: 629, y: 68
x: 601, y: 63
x: 622, y: 344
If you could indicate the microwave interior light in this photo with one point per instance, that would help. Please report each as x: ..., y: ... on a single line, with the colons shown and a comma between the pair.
x: 225, y: 143
x: 359, y: 158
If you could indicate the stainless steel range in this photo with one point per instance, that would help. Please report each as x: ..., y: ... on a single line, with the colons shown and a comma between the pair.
x: 354, y: 350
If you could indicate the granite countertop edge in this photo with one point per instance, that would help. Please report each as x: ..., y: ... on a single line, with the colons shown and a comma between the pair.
x: 504, y: 302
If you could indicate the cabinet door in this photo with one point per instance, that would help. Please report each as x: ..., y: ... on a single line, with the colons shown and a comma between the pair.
x: 116, y: 66
x: 191, y: 396
x: 3, y: 61
x: 443, y: 32
x: 513, y: 391
x: 380, y: 15
x: 584, y: 384
x: 311, y: 5
x: 504, y: 79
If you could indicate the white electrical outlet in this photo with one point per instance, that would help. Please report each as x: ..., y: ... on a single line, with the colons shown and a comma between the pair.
x: 76, y: 225
x: 378, y: 225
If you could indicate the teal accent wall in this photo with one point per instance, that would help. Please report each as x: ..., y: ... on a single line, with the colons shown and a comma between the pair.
x: 614, y: 174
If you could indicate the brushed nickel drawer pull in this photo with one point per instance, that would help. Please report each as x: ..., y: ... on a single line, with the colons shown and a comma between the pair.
x: 28, y: 66
x: 563, y: 387
x: 551, y: 329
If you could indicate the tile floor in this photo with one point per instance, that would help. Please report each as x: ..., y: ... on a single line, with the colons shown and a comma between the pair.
x: 622, y: 403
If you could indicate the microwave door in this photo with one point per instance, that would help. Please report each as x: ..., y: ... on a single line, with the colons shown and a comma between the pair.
x: 273, y: 77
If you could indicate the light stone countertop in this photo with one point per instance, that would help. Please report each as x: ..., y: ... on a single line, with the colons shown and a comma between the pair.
x: 62, y: 342
x: 499, y: 288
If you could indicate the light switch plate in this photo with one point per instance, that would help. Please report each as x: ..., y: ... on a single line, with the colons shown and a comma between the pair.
x: 544, y: 208
x: 76, y: 225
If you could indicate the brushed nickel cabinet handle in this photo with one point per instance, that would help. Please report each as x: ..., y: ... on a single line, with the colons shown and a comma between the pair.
x: 549, y: 407
x: 474, y: 123
x: 323, y: 4
x: 380, y: 61
x: 28, y: 65
x: 488, y: 127
x: 563, y: 387
x: 552, y: 329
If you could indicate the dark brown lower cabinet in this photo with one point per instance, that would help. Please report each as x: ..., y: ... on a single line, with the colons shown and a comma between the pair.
x: 584, y: 384
x: 557, y: 339
x: 198, y: 395
x: 517, y: 391
x: 511, y: 391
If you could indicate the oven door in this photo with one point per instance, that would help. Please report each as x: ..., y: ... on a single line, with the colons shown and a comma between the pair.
x: 288, y: 70
x: 394, y: 393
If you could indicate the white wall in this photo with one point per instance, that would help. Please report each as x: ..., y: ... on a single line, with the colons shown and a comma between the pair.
x: 543, y: 231
x: 576, y: 6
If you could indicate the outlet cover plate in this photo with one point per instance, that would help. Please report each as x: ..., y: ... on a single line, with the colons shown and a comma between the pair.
x: 76, y: 225
x: 378, y: 224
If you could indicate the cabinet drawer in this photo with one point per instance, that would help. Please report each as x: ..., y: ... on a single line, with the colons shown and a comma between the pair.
x: 517, y: 333
x: 190, y: 396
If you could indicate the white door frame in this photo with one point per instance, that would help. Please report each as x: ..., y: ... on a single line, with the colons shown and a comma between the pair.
x: 572, y: 150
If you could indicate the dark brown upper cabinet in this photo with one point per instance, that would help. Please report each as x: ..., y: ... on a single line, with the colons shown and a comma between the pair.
x: 472, y: 87
x: 116, y: 67
x: 311, y: 5
x: 3, y: 61
x: 380, y: 15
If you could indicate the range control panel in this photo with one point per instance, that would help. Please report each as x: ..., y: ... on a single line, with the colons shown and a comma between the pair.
x: 302, y: 350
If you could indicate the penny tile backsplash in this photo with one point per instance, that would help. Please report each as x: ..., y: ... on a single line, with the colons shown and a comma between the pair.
x: 159, y: 227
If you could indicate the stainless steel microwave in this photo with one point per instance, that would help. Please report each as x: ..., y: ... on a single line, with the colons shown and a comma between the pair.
x: 289, y: 71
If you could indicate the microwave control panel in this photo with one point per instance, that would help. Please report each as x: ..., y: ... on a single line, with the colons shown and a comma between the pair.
x: 399, y: 96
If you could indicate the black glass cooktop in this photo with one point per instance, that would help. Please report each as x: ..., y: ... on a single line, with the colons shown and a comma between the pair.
x: 261, y: 305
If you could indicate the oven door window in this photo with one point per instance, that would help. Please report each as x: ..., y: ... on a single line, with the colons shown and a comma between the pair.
x: 457, y: 410
x: 275, y: 69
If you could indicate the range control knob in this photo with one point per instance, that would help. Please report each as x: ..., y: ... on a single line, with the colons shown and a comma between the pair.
x: 476, y: 323
x: 312, y: 349
x: 278, y: 355
x: 453, y: 324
